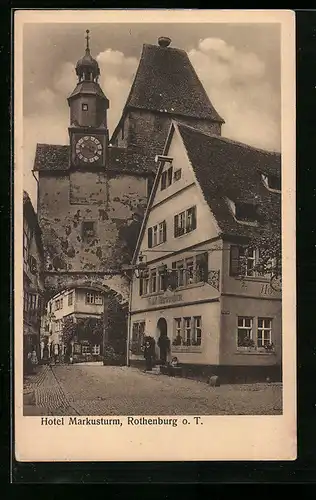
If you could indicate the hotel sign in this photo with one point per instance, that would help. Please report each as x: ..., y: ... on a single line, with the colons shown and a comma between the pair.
x: 164, y: 299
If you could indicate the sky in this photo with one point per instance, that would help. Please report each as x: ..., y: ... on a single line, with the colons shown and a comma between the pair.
x: 238, y: 64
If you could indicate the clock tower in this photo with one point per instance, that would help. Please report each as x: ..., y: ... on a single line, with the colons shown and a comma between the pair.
x: 88, y: 131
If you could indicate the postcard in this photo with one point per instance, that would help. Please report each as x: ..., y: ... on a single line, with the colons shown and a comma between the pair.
x: 154, y: 230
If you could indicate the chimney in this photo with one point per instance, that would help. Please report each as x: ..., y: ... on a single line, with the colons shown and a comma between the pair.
x: 164, y: 41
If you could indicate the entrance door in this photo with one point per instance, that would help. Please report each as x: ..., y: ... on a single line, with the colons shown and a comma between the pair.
x: 163, y: 341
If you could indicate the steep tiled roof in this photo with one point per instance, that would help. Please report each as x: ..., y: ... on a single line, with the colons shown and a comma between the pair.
x: 85, y: 87
x: 228, y: 169
x: 167, y: 82
x: 51, y: 157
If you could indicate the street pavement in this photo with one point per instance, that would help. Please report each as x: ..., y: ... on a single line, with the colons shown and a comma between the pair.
x: 112, y: 390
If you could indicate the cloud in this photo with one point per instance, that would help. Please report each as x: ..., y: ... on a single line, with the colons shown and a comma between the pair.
x: 239, y: 88
x: 235, y: 80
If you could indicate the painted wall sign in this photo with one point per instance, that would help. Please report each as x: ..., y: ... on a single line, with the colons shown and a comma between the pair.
x: 161, y: 299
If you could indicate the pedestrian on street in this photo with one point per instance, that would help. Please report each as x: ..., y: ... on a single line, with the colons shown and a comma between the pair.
x: 34, y: 360
x: 149, y: 352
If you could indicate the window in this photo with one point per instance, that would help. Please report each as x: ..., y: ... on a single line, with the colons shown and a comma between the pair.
x: 178, y: 327
x: 61, y: 303
x: 246, y: 212
x: 255, y: 334
x: 95, y: 350
x: 85, y: 349
x: 185, y: 222
x: 70, y: 298
x: 272, y: 182
x: 163, y: 180
x: 57, y: 305
x: 246, y: 262
x: 177, y: 175
x: 153, y: 281
x: 197, y: 331
x: 189, y: 264
x: 166, y: 178
x: 88, y: 229
x: 169, y: 176
x: 144, y: 283
x: 162, y: 278
x: 157, y: 234
x: 138, y: 333
x: 84, y: 106
x: 94, y: 298
x: 248, y: 258
x: 244, y: 332
x: 192, y: 270
x: 187, y: 331
x: 264, y: 333
x: 202, y: 267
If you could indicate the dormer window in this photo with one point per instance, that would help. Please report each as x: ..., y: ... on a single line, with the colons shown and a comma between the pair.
x: 272, y: 182
x: 245, y: 213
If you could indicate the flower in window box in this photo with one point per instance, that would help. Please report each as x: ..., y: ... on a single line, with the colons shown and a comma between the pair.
x: 196, y: 342
x: 246, y: 342
x: 177, y: 340
x: 269, y: 347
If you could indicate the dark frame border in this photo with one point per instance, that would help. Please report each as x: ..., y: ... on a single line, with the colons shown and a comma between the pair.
x: 304, y: 468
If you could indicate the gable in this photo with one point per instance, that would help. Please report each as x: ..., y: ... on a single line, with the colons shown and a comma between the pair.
x: 179, y: 197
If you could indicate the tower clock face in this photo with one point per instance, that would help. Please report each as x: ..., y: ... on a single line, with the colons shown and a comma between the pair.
x: 89, y: 149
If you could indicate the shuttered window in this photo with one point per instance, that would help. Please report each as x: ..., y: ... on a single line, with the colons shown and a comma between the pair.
x: 150, y: 237
x: 185, y: 222
x: 157, y: 234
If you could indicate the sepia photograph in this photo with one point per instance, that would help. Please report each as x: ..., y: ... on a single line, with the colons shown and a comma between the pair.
x: 152, y: 190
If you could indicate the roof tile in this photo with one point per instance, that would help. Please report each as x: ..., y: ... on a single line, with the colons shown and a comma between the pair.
x: 167, y: 82
x: 228, y: 169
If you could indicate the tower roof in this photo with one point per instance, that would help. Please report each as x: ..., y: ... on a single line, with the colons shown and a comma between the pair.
x: 87, y: 67
x: 166, y: 82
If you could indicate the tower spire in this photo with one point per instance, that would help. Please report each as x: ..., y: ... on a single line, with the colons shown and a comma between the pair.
x: 87, y: 37
x: 87, y: 68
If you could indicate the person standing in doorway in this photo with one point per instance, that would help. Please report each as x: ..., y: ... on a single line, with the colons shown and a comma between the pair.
x: 164, y: 346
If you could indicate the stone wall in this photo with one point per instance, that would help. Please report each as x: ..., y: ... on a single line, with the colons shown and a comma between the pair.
x: 110, y: 202
x: 147, y: 131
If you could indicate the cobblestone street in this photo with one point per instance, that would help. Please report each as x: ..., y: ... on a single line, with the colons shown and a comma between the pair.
x: 104, y: 390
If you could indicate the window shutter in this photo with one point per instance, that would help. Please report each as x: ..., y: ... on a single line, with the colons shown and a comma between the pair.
x: 164, y: 231
x: 234, y: 260
x: 176, y: 225
x: 193, y: 218
x: 150, y: 237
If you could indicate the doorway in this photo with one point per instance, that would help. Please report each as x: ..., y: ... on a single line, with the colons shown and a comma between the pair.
x: 163, y: 340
